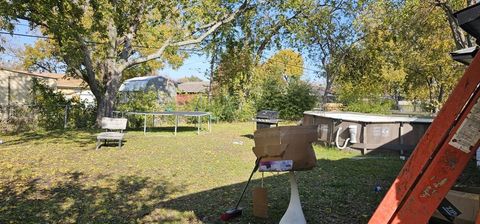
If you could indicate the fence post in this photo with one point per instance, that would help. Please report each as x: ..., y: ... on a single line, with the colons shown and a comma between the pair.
x: 65, y: 117
x: 9, y: 98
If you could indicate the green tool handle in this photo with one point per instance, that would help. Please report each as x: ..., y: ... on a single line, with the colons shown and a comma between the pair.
x: 255, y: 168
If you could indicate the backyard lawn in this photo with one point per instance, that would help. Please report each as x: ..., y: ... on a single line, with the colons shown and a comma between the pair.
x: 58, y: 177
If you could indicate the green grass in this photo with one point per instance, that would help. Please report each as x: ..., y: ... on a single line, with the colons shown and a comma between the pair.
x: 58, y: 177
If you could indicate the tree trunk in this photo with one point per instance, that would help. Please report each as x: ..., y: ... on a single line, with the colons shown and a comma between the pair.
x: 441, y: 92
x: 328, y: 88
x: 431, y: 98
x: 212, y: 67
x: 106, y: 103
x: 396, y: 97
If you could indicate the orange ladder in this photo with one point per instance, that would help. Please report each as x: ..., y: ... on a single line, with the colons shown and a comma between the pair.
x: 439, y: 158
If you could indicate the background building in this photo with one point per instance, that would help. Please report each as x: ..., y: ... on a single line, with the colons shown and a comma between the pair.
x: 17, y: 86
x: 164, y: 87
x: 186, y: 91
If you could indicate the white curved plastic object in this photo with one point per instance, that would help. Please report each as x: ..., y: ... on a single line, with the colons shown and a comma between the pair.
x: 294, y: 213
x: 353, y: 133
x: 336, y: 140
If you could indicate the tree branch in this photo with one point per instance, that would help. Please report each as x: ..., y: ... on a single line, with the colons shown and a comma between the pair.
x: 274, y: 31
x: 213, y: 28
x: 140, y: 60
x: 459, y: 37
x: 132, y: 32
x: 89, y: 77
x: 36, y: 22
x: 45, y: 68
x: 169, y: 43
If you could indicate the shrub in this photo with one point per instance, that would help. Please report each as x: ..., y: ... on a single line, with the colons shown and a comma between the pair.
x: 52, y: 107
x: 142, y: 102
x: 245, y: 111
x: 271, y: 96
x: 224, y: 107
x: 358, y: 98
x: 229, y: 108
x: 16, y: 118
x: 291, y: 99
x: 196, y: 103
x: 371, y: 106
x: 298, y: 98
x: 81, y: 114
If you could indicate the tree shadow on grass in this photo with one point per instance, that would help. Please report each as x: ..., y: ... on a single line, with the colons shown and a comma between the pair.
x: 249, y: 136
x: 72, y: 201
x: 168, y: 130
x: 81, y: 139
x: 336, y: 191
x: 110, y: 144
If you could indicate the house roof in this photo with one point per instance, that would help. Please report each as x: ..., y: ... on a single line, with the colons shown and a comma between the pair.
x: 69, y: 82
x: 63, y: 81
x: 193, y: 87
x: 43, y: 75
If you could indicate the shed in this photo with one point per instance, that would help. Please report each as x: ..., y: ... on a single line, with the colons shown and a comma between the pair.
x: 165, y: 87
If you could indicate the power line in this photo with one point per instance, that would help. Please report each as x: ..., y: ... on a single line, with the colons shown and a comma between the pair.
x: 51, y: 38
x: 89, y: 42
x: 25, y: 35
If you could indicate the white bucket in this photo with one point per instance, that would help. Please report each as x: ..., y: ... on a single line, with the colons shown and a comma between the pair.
x: 353, y: 133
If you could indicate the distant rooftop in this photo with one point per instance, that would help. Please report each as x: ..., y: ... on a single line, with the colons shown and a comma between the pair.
x: 63, y: 81
x: 69, y: 82
x: 43, y: 75
x: 193, y: 87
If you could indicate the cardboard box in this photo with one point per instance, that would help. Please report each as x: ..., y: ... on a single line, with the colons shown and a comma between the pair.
x: 287, y: 143
x: 468, y: 203
x: 260, y: 202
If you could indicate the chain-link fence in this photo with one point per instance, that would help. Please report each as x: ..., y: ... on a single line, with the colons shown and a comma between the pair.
x: 15, y: 118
